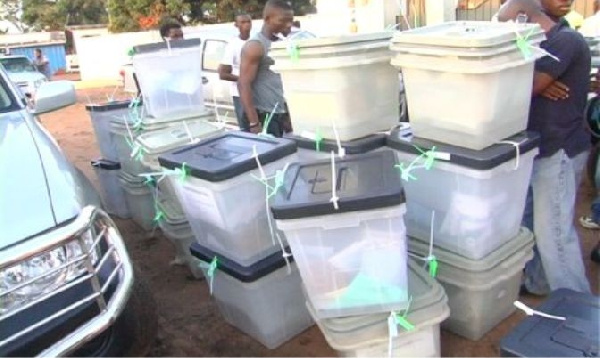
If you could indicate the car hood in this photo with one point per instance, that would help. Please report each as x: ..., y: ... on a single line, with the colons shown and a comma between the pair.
x: 17, y: 77
x: 39, y: 188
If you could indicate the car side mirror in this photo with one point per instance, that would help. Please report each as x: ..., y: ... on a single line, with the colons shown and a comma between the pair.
x: 54, y: 95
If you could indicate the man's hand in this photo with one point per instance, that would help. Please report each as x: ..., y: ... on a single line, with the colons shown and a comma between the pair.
x: 556, y: 91
x: 255, y: 128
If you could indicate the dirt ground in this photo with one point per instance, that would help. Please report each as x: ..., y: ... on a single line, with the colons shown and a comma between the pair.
x: 190, y: 324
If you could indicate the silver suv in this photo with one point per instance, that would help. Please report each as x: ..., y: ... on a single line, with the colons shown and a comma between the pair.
x: 67, y: 284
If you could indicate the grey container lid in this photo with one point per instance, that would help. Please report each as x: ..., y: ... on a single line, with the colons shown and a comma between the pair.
x: 577, y: 336
x: 366, y: 181
x: 108, y: 106
x: 228, y: 155
x: 424, y: 290
x: 106, y: 164
x: 484, y: 159
x: 466, y: 34
x: 356, y: 146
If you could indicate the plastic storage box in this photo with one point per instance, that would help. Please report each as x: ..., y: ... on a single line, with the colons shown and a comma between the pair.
x: 140, y: 200
x: 170, y: 78
x: 223, y: 198
x: 353, y: 259
x: 476, y: 198
x: 577, y: 336
x: 101, y: 115
x: 480, y: 292
x: 347, y: 80
x: 264, y: 300
x: 368, y: 336
x: 178, y: 231
x: 179, y: 134
x: 113, y: 196
x: 477, y: 100
x: 309, y: 150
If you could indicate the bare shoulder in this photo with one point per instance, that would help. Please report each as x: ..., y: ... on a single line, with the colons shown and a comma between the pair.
x: 252, y: 50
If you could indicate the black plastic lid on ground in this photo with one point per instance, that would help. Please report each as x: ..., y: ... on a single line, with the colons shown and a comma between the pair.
x: 108, y: 106
x: 363, y: 182
x: 247, y: 274
x: 357, y: 146
x: 156, y: 46
x: 106, y: 164
x: 577, y: 336
x: 228, y: 155
x: 484, y: 159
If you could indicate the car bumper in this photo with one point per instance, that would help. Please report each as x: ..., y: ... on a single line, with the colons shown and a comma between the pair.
x: 77, y: 316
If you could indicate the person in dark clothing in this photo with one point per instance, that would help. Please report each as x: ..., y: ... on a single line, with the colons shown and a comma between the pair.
x: 557, y: 170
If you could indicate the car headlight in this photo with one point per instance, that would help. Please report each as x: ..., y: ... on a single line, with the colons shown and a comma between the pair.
x: 28, y: 280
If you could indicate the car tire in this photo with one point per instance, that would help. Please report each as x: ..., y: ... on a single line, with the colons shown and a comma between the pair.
x: 140, y: 318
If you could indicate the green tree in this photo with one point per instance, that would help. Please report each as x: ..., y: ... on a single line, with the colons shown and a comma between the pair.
x: 136, y: 15
x: 10, y: 11
x: 55, y: 15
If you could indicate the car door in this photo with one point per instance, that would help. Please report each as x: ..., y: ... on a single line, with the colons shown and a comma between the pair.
x: 216, y: 92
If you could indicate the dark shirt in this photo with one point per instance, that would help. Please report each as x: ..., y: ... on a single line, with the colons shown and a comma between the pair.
x: 560, y: 123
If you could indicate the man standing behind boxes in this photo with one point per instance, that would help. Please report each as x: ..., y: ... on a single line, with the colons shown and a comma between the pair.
x: 261, y: 89
x: 229, y: 69
x: 564, y: 145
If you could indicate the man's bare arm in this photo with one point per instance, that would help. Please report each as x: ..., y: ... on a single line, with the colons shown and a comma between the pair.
x: 252, y: 52
x: 226, y: 73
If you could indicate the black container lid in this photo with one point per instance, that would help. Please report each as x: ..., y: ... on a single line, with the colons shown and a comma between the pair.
x: 228, y: 155
x: 251, y: 273
x: 577, y: 336
x: 156, y: 46
x: 356, y: 146
x: 484, y: 159
x: 108, y: 106
x: 365, y: 181
x: 106, y: 164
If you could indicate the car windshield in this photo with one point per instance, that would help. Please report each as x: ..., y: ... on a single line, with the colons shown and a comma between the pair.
x: 17, y: 64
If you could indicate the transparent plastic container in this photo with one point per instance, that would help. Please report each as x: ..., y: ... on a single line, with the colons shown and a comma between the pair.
x: 101, y: 115
x: 178, y: 231
x: 480, y: 292
x: 482, y: 95
x: 347, y: 80
x: 113, y: 196
x: 340, y: 252
x: 369, y: 336
x: 170, y: 79
x: 223, y: 198
x: 140, y: 200
x: 264, y: 300
x: 475, y: 198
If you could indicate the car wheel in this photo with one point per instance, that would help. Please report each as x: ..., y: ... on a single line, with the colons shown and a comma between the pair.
x: 140, y: 318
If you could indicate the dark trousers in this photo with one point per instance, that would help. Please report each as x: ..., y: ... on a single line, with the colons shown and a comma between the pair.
x: 279, y: 124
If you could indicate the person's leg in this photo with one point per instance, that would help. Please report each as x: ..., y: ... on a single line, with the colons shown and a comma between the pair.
x: 555, y: 181
x: 239, y: 114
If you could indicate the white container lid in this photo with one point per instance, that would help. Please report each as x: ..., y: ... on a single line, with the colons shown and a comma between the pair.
x: 428, y: 307
x: 173, y: 216
x: 466, y: 34
x: 169, y: 138
x: 335, y: 40
x: 419, y: 49
x: 485, y: 266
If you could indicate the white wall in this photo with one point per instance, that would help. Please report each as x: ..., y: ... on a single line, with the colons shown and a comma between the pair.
x: 438, y: 11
